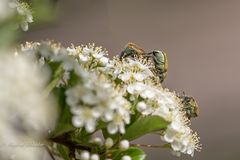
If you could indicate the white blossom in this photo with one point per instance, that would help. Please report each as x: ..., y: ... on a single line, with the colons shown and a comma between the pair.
x: 141, y: 106
x: 111, y: 90
x: 26, y: 114
x: 124, y: 144
x: 126, y: 157
x: 23, y: 10
x: 134, y: 71
x: 93, y: 100
x: 163, y: 103
x: 85, y: 155
x: 94, y: 157
x: 91, y: 56
x: 109, y: 142
x: 120, y: 118
x: 181, y: 138
x: 85, y: 117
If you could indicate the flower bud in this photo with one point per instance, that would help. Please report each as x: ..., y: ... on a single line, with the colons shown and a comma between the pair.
x: 109, y: 143
x: 94, y: 157
x: 85, y: 155
x: 126, y: 158
x: 141, y: 106
x: 124, y: 144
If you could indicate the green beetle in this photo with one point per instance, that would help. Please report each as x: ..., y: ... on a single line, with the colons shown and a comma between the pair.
x: 160, y: 62
x: 190, y: 106
x: 131, y: 50
x: 158, y: 58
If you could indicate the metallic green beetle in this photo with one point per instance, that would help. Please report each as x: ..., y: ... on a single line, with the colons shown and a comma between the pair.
x: 158, y: 58
x: 160, y: 62
x: 190, y: 106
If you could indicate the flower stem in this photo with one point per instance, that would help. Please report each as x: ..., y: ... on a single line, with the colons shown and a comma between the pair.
x: 147, y: 145
x: 57, y: 75
x: 49, y: 152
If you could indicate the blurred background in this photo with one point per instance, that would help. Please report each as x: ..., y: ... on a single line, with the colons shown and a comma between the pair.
x: 202, y: 40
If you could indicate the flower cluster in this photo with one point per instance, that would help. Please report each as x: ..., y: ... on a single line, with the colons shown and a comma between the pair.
x: 129, y: 70
x: 89, y: 56
x: 95, y: 100
x: 24, y: 13
x: 153, y: 99
x: 112, y: 91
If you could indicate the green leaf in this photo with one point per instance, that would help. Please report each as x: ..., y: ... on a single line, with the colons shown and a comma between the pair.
x: 58, y: 71
x: 133, y: 152
x: 62, y: 129
x: 64, y: 123
x: 144, y: 125
x: 74, y: 79
x: 101, y: 125
x: 64, y: 151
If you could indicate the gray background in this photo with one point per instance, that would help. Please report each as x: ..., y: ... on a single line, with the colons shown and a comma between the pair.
x: 202, y: 41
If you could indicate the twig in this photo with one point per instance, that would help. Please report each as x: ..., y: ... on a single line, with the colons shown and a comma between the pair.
x: 64, y: 140
x: 72, y: 153
x: 147, y: 145
x: 49, y: 152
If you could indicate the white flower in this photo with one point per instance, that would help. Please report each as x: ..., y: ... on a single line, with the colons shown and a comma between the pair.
x: 104, y: 61
x: 126, y: 157
x: 84, y: 93
x: 98, y: 55
x: 125, y: 76
x: 185, y: 144
x: 83, y: 58
x: 109, y: 143
x: 85, y: 155
x: 25, y: 114
x: 88, y: 50
x: 21, y: 85
x: 163, y: 103
x: 116, y: 125
x: 96, y: 99
x: 94, y: 157
x: 181, y: 138
x: 124, y: 144
x: 136, y: 88
x: 23, y: 10
x: 92, y: 57
x: 173, y: 130
x: 120, y: 118
x: 85, y: 117
x: 134, y: 71
x: 72, y: 51
x: 141, y: 106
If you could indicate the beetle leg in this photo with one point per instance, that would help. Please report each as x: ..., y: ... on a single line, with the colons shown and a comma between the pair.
x: 122, y: 54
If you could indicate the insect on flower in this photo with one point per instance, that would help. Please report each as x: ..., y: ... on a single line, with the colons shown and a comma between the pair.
x: 131, y: 50
x: 160, y: 62
x: 190, y: 106
x: 158, y: 58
